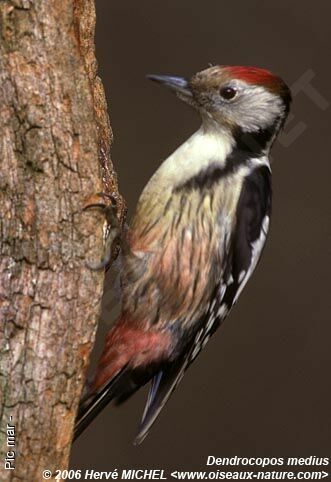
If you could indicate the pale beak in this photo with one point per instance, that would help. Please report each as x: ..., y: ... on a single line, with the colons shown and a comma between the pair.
x: 177, y: 84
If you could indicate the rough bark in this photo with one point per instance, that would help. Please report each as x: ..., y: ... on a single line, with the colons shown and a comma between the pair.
x: 54, y: 154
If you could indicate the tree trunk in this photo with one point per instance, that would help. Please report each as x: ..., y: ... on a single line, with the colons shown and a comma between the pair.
x: 54, y: 154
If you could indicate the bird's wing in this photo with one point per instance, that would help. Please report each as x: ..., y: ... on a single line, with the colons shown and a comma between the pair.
x: 248, y: 240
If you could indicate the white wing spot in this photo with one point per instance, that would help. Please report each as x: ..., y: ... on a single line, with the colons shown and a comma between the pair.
x: 222, y: 290
x: 265, y: 224
x: 230, y: 280
x: 212, y: 304
x: 205, y: 341
x: 256, y: 251
x: 199, y: 335
x: 210, y: 322
x: 196, y: 351
x: 222, y: 310
x: 241, y: 275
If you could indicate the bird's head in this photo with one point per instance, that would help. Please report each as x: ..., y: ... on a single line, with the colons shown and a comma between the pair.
x: 241, y: 100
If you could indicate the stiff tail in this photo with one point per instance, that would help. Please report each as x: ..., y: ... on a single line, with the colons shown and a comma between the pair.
x: 162, y: 386
x: 123, y: 386
x: 130, y: 359
x: 164, y: 380
x: 91, y: 405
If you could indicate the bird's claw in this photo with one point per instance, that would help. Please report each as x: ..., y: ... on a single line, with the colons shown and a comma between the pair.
x: 112, y: 230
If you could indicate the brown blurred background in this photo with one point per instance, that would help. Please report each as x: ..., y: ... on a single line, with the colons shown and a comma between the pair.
x: 262, y: 385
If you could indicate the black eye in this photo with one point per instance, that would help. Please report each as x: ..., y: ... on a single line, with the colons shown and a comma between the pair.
x: 228, y: 93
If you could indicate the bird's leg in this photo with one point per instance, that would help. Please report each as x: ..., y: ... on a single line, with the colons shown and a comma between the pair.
x: 112, y: 228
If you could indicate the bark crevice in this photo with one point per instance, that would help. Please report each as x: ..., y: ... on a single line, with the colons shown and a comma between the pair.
x: 55, y: 138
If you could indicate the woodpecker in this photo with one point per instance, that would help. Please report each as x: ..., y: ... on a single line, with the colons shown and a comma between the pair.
x: 196, y: 237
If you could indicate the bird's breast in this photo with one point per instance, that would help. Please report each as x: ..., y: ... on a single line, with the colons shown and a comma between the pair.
x: 177, y: 252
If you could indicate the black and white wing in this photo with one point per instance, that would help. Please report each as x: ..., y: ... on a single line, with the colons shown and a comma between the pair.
x: 248, y: 239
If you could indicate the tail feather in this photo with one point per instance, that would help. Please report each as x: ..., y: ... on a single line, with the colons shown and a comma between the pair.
x: 122, y: 386
x: 92, y: 404
x: 163, y: 384
x: 164, y: 379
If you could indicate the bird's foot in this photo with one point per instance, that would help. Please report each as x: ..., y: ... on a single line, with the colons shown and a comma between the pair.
x: 112, y: 227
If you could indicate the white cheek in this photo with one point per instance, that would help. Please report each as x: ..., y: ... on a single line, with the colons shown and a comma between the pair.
x: 257, y: 109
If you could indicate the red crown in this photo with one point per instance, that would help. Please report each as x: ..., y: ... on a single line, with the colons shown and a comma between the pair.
x: 254, y: 75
